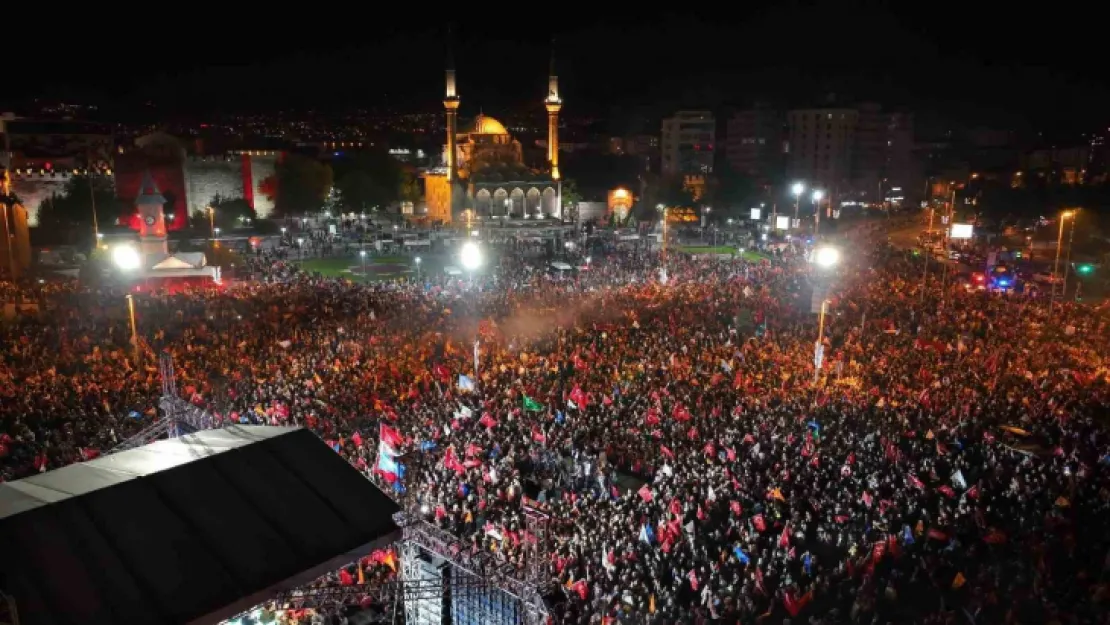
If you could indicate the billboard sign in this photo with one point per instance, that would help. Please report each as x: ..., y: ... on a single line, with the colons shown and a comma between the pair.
x: 782, y: 223
x: 961, y: 231
x: 756, y: 213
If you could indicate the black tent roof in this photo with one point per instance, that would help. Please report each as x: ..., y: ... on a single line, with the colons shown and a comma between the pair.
x: 188, y: 530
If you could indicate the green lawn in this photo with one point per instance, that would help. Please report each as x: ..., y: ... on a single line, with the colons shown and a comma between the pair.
x: 719, y: 249
x: 377, y: 267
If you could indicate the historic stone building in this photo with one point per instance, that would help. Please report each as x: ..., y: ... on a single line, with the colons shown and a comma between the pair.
x: 483, y: 168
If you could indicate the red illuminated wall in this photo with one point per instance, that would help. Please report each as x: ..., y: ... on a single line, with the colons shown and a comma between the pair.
x: 248, y: 180
x: 168, y: 174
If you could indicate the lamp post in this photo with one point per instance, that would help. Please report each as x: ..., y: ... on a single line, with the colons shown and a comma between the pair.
x: 212, y: 222
x: 818, y: 348
x: 1056, y: 265
x: 797, y: 189
x: 825, y: 258
x: 134, y: 329
x: 663, y: 211
x: 362, y: 256
x: 1067, y: 259
x: 300, y: 246
x: 817, y: 195
x: 471, y: 257
x: 417, y: 268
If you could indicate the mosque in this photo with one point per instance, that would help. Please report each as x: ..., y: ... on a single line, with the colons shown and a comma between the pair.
x: 483, y: 168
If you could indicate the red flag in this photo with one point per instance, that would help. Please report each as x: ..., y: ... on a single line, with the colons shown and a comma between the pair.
x: 450, y: 461
x: 916, y: 482
x: 710, y: 449
x: 356, y: 438
x: 947, y: 490
x: 581, y: 588
x: 731, y: 454
x: 867, y: 498
x: 488, y: 421
x: 760, y: 524
x: 645, y: 493
x: 345, y: 578
x: 794, y: 606
x: 666, y: 451
x: 735, y: 507
x: 693, y: 579
x: 936, y: 534
x: 391, y: 437
x: 537, y: 435
x: 784, y: 540
x: 579, y: 397
x: 973, y: 492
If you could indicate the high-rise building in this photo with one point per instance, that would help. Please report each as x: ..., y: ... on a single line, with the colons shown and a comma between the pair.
x: 883, y: 152
x: 821, y: 146
x: 862, y: 151
x: 754, y: 143
x: 687, y: 144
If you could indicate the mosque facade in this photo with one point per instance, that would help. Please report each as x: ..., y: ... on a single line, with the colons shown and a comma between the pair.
x: 483, y: 168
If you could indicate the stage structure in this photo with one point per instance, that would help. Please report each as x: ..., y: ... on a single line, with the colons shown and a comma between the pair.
x: 441, y: 580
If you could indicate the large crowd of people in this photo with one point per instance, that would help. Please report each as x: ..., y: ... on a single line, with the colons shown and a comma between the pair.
x: 947, y: 462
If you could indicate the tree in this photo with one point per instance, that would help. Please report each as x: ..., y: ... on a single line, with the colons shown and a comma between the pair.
x: 300, y: 184
x: 73, y: 207
x: 361, y: 193
x: 410, y: 189
x: 231, y: 212
x: 571, y: 196
x: 730, y: 193
x: 369, y: 180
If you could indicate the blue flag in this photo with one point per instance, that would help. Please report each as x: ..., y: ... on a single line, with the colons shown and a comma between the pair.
x: 646, y: 534
x: 560, y: 417
x: 740, y: 555
x: 427, y: 445
x: 134, y: 414
x: 465, y: 383
x: 815, y: 425
x: 907, y: 535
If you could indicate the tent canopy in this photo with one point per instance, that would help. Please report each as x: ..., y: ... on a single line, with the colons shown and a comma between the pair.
x: 188, y: 530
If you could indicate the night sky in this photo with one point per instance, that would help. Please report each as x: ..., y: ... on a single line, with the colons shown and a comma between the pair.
x: 1003, y: 67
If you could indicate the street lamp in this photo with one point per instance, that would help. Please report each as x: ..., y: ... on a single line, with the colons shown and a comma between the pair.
x: 362, y: 255
x: 300, y: 245
x: 134, y: 329
x: 417, y: 259
x: 126, y: 257
x: 826, y: 257
x: 797, y: 189
x: 817, y: 195
x: 663, y: 210
x: 1059, y: 244
x: 471, y: 257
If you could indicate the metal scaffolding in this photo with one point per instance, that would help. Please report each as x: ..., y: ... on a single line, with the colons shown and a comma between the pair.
x: 177, y: 416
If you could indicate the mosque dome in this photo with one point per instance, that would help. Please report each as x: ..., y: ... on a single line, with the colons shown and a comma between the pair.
x: 488, y: 126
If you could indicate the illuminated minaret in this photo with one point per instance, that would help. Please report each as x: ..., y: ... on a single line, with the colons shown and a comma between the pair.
x: 451, y: 105
x: 553, y: 104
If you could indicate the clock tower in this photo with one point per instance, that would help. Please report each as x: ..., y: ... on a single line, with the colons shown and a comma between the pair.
x: 152, y: 221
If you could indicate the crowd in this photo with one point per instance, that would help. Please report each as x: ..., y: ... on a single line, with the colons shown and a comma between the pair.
x: 948, y: 462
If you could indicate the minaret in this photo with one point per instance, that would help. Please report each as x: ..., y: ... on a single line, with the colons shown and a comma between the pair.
x: 451, y: 106
x: 553, y: 104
